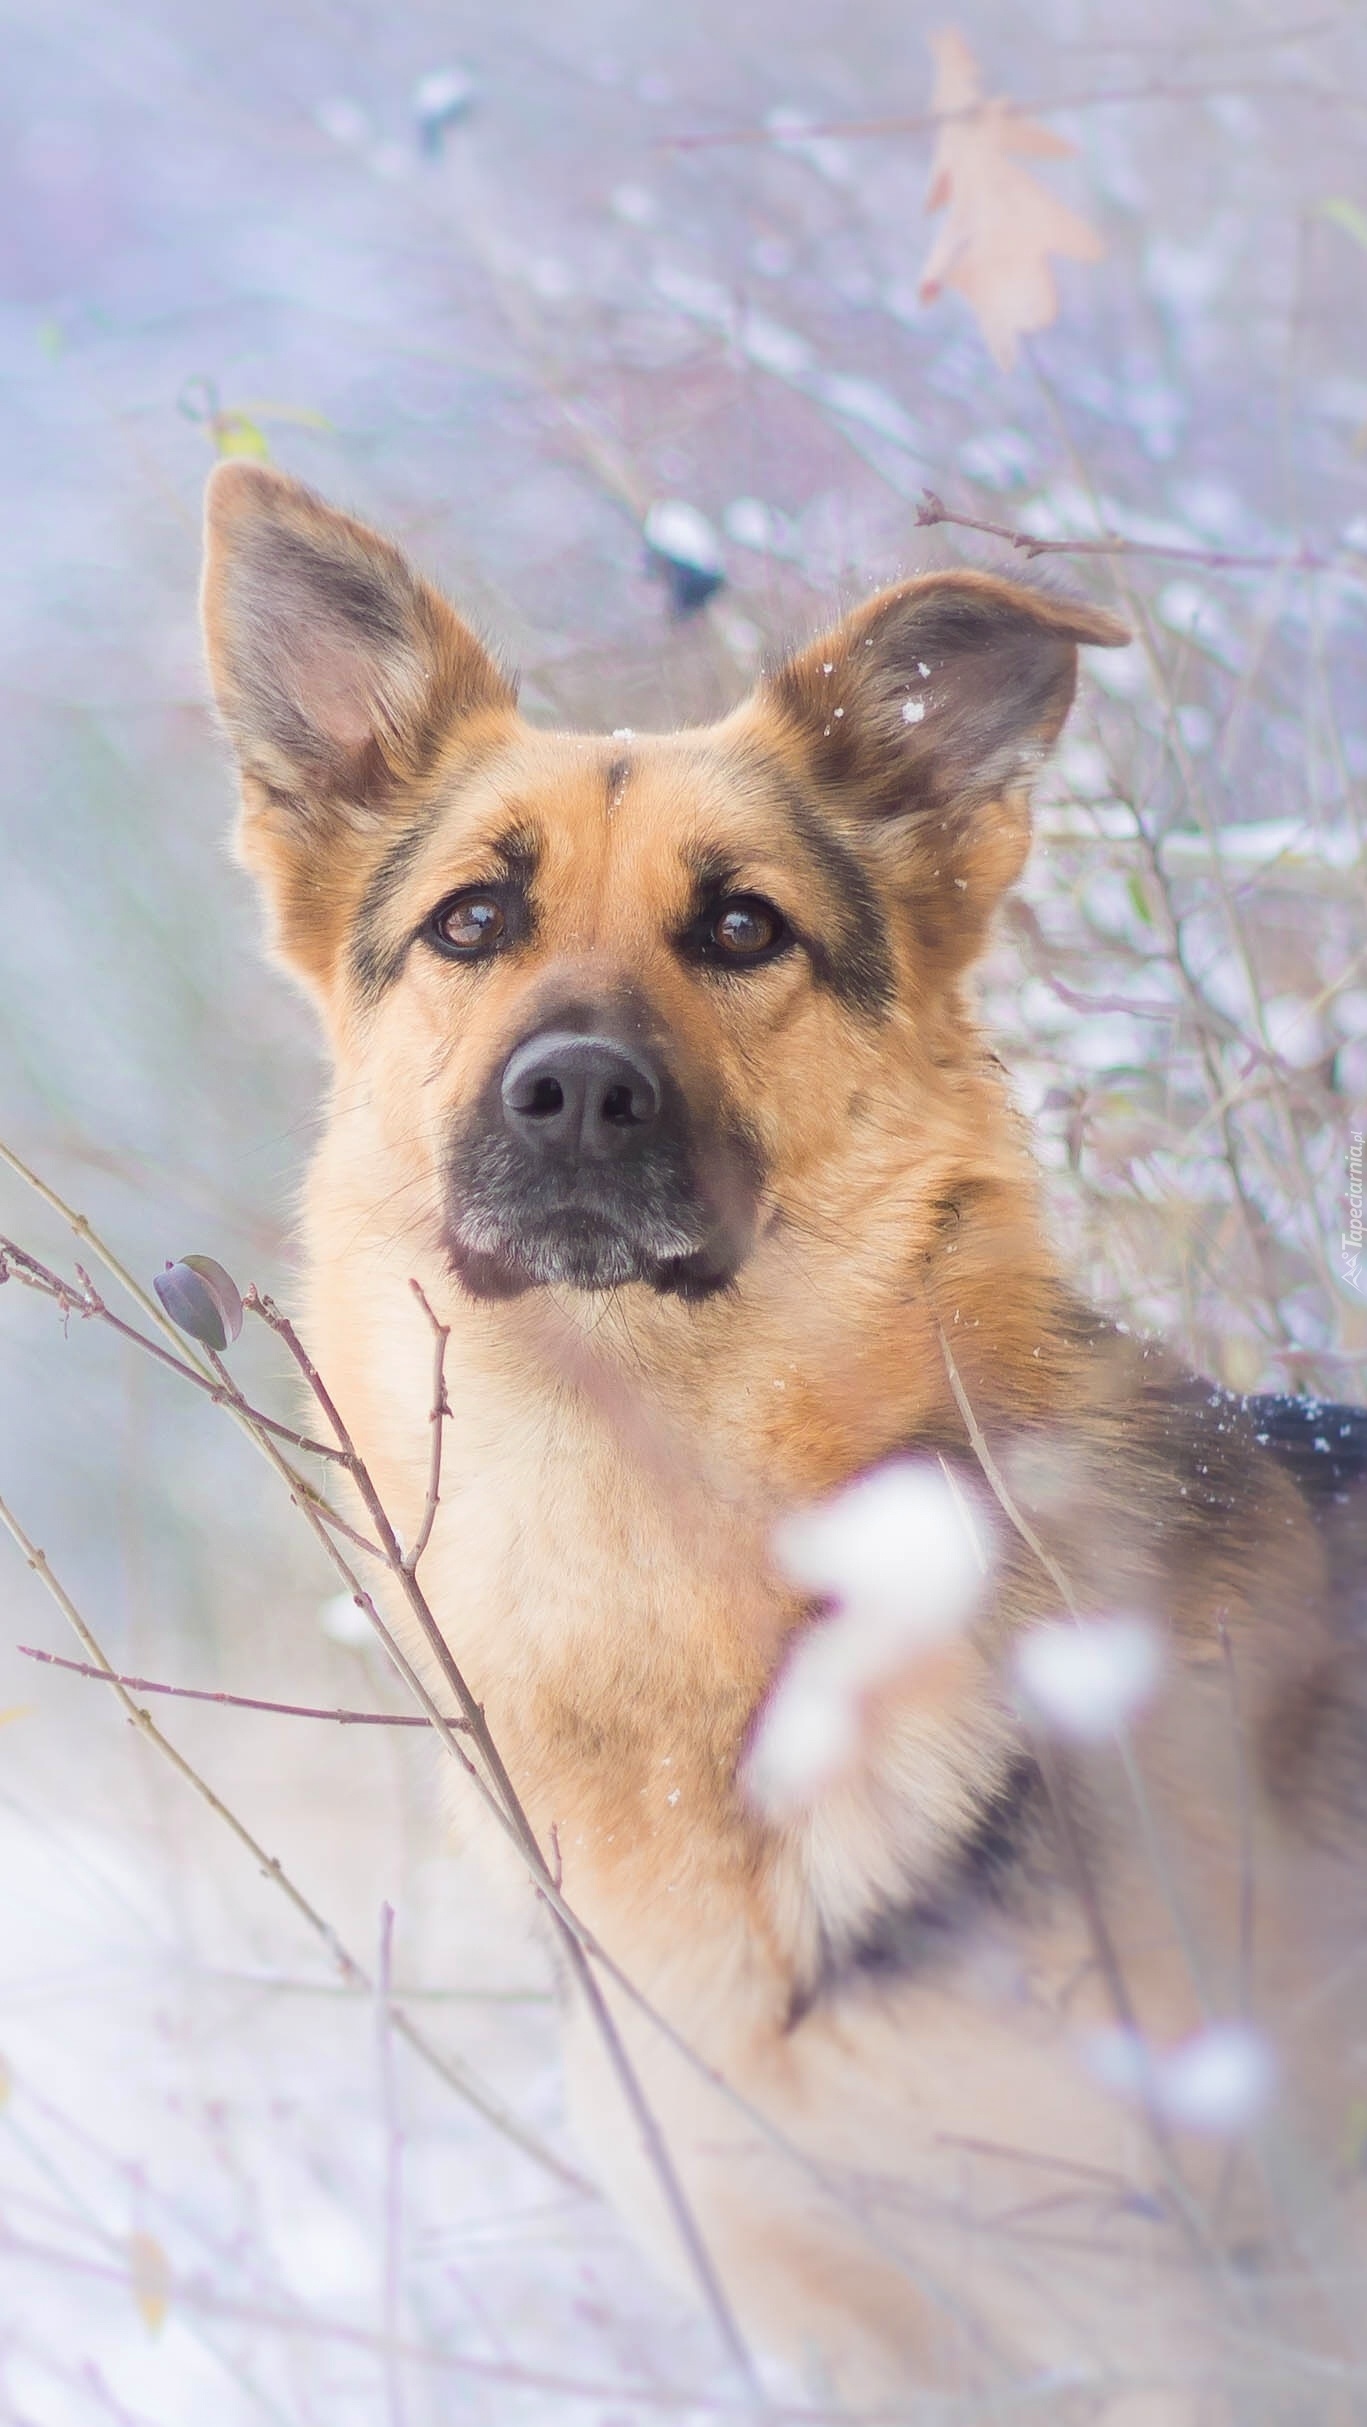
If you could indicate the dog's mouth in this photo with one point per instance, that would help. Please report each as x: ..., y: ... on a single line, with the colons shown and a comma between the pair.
x: 510, y: 1228
x: 583, y: 1251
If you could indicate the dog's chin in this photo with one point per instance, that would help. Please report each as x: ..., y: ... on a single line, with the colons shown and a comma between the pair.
x: 591, y: 1257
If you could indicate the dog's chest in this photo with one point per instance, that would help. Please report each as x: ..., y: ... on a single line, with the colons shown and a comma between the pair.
x: 608, y: 1604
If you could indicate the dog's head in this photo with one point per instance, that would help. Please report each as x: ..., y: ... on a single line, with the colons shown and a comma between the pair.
x: 615, y: 1001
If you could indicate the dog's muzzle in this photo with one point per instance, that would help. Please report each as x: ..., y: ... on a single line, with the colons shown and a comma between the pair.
x: 582, y: 1168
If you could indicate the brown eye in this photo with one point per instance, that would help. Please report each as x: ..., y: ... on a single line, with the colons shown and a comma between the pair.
x: 471, y: 924
x: 745, y: 929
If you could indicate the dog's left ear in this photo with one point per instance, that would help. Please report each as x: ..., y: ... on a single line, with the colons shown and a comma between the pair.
x: 926, y: 713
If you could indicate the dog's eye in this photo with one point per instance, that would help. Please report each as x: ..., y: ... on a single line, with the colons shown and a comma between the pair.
x: 470, y: 924
x: 742, y: 931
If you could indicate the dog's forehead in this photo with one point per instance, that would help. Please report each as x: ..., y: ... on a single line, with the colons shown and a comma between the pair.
x: 656, y: 805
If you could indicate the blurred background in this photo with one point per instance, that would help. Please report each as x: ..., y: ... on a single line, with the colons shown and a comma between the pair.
x: 532, y: 288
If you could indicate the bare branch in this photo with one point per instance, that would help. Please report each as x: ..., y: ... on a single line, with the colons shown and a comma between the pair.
x: 236, y: 1702
x: 393, y: 2174
x: 198, y: 2293
x: 1063, y: 1811
x: 506, y: 1802
x: 933, y: 510
x: 441, y: 1409
x: 579, y: 1944
x: 497, y: 1788
x: 483, y: 2100
x: 85, y: 1300
x: 924, y: 122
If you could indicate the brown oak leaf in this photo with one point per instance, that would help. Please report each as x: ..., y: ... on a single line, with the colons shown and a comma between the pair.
x: 1000, y: 224
x: 150, y: 2280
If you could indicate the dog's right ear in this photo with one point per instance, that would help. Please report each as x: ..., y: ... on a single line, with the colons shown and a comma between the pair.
x: 336, y: 670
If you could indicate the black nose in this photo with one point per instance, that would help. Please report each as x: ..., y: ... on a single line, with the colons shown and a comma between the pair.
x: 579, y: 1098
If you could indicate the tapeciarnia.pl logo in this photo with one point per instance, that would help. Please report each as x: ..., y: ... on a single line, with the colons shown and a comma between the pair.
x: 1350, y: 1240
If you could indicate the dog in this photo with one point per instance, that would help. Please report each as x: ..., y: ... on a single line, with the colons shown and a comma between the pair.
x: 656, y: 1067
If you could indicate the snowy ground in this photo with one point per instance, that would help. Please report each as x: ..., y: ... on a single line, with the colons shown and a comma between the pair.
x: 506, y: 344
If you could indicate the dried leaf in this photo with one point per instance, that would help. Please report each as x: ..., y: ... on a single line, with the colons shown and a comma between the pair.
x: 150, y: 2276
x: 1001, y: 225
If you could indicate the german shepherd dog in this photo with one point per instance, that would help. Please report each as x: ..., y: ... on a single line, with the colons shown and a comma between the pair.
x: 656, y: 1067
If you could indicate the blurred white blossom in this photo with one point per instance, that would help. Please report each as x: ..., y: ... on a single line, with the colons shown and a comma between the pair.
x: 1218, y: 2081
x: 902, y: 1555
x: 1088, y: 1678
x: 343, y: 1620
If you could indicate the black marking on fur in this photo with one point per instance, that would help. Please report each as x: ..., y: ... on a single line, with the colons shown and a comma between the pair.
x: 518, y: 854
x: 1322, y: 1444
x: 377, y: 960
x: 714, y: 873
x: 858, y: 971
x: 899, y: 1940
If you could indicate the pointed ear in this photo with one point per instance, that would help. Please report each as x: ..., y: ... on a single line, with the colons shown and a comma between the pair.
x: 923, y: 717
x: 336, y: 670
x: 942, y: 693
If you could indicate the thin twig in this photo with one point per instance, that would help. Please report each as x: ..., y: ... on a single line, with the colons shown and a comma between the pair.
x: 236, y: 1702
x: 1076, y: 1855
x: 506, y: 1799
x: 441, y: 1409
x: 581, y: 1947
x: 1244, y: 1799
x: 924, y: 122
x: 997, y: 1481
x: 933, y: 510
x: 497, y: 1789
x: 301, y: 1489
x: 198, y: 2292
x: 451, y: 2070
x: 393, y: 2174
x: 85, y: 1300
x: 579, y: 1943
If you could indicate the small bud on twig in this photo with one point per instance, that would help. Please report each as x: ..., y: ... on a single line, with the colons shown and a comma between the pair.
x: 202, y: 1299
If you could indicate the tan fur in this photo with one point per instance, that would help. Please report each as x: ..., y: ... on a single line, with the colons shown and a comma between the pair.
x: 614, y: 1462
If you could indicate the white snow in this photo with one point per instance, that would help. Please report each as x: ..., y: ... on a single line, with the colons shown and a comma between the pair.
x: 344, y: 120
x: 771, y: 347
x: 698, y: 297
x: 634, y: 205
x: 753, y: 524
x: 442, y: 94
x: 677, y: 529
x: 1191, y: 611
x: 864, y: 400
